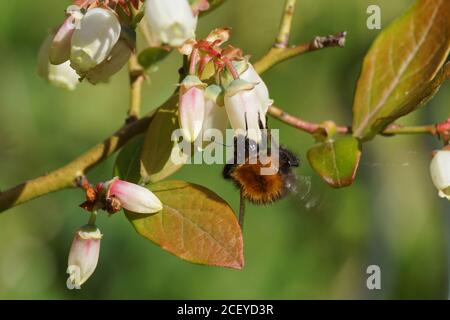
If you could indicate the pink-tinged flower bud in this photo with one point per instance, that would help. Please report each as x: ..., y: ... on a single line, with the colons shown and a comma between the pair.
x: 262, y: 92
x: 440, y: 172
x: 192, y: 107
x: 215, y: 113
x: 171, y: 22
x: 133, y: 197
x: 118, y: 58
x: 83, y: 256
x: 92, y: 42
x: 61, y: 75
x: 244, y: 108
x: 61, y: 44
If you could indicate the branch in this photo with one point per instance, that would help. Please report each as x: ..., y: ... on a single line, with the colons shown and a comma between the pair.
x: 298, y: 123
x: 66, y: 176
x: 282, y: 40
x: 137, y: 77
x: 394, y: 129
x: 312, y: 128
x: 280, y: 50
x: 277, y: 55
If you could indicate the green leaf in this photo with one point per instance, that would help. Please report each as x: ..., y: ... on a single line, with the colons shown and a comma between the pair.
x: 127, y: 165
x: 400, y: 66
x: 156, y: 163
x: 336, y: 161
x: 150, y: 56
x: 195, y: 225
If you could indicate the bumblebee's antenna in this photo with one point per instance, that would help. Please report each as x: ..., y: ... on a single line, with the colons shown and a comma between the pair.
x: 241, y: 210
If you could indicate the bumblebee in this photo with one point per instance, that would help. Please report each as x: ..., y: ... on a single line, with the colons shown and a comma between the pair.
x: 258, y: 188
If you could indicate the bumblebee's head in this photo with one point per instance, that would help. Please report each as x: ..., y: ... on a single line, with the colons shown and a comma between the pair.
x: 288, y: 160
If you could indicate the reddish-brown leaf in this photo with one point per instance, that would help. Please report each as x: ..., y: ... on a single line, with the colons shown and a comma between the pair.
x: 195, y: 225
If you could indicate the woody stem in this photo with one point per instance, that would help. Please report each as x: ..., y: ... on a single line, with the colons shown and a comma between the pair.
x: 137, y: 78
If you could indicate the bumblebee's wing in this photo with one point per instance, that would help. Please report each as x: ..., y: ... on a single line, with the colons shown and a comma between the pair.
x: 308, y: 197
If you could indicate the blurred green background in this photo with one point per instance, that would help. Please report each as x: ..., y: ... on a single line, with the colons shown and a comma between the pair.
x: 313, y: 245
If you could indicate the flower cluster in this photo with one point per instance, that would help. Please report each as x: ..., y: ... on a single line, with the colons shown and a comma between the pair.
x: 110, y: 196
x: 95, y: 41
x: 233, y: 92
x: 91, y: 43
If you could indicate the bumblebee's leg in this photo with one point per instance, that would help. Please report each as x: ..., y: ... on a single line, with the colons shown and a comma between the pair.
x: 241, y: 210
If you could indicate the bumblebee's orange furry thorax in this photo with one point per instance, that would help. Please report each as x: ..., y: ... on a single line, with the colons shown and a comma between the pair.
x: 259, y: 189
x: 249, y: 178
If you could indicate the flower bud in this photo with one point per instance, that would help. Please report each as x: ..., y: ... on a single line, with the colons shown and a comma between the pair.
x: 61, y: 75
x: 171, y: 22
x: 118, y: 57
x: 244, y: 108
x: 60, y: 46
x: 440, y: 172
x: 262, y: 92
x: 93, y: 41
x: 192, y: 107
x: 83, y: 256
x: 133, y: 197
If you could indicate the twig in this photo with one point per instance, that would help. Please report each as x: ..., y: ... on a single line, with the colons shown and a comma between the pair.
x: 298, y: 123
x: 395, y: 129
x: 282, y: 40
x: 137, y: 77
x: 311, y: 127
x: 277, y: 55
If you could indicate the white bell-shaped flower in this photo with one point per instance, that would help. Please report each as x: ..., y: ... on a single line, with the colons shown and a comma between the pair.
x: 171, y: 22
x: 98, y: 32
x: 133, y: 197
x: 440, y: 172
x: 262, y: 91
x: 244, y: 108
x: 118, y: 58
x: 61, y: 75
x: 83, y: 256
